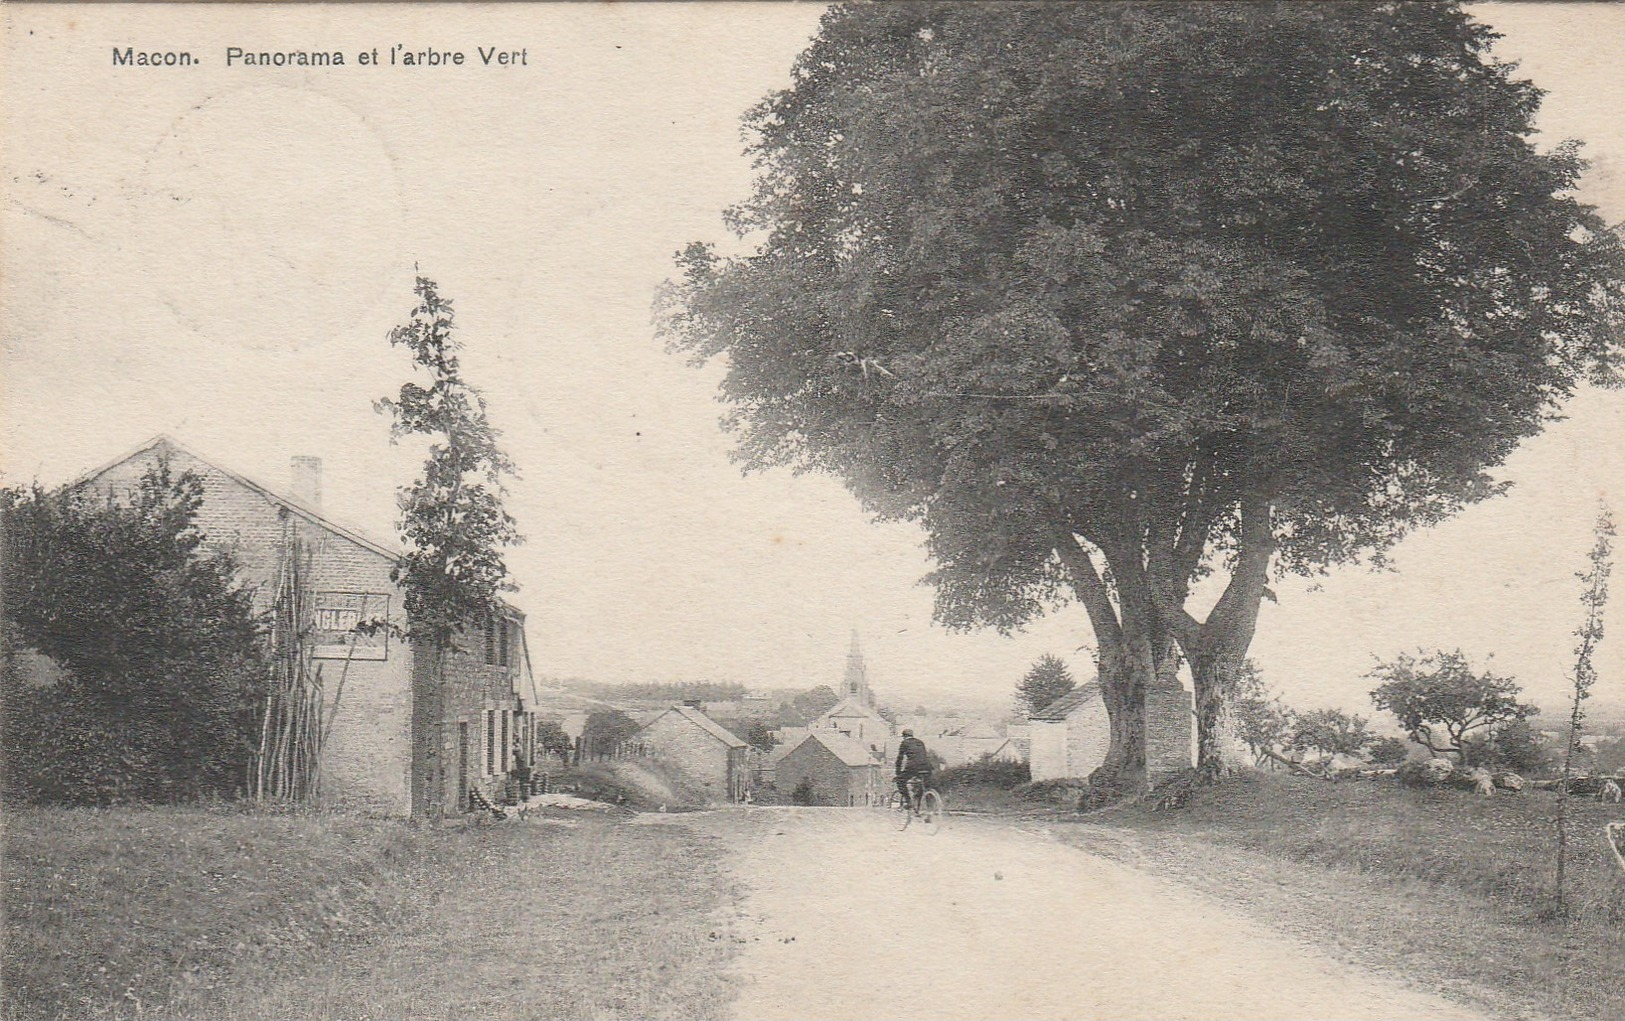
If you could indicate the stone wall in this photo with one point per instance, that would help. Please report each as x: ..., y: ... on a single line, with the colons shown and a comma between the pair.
x: 1170, y: 730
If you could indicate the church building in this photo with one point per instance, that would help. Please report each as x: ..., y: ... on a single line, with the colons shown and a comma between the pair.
x: 855, y: 715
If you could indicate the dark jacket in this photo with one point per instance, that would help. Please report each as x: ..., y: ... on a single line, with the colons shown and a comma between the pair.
x: 911, y: 756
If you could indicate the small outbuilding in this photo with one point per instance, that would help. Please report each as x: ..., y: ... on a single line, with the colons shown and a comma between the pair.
x: 833, y: 769
x: 700, y: 747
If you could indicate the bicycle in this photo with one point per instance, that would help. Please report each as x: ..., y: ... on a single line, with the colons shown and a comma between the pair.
x: 923, y: 804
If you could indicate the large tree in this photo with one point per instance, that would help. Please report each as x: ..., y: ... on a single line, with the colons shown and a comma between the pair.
x: 1108, y: 297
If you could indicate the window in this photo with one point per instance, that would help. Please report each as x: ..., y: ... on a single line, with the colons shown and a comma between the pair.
x: 506, y: 746
x: 502, y: 640
x: 490, y: 741
x: 351, y: 625
x: 490, y: 638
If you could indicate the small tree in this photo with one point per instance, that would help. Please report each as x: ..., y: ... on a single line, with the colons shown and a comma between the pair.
x: 759, y: 736
x: 552, y: 740
x: 1047, y: 680
x: 1262, y: 721
x: 1593, y: 599
x: 1331, y: 732
x: 452, y: 519
x: 1439, y: 691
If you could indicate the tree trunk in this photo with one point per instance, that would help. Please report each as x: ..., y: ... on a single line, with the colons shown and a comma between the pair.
x: 1122, y: 688
x: 1214, y: 678
x: 1126, y: 665
x: 1217, y: 646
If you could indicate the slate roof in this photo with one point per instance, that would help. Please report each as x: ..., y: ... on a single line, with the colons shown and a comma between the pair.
x: 847, y: 749
x: 705, y: 723
x: 1058, y: 710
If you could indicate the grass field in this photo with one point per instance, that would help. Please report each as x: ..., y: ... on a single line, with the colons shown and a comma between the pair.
x: 191, y: 913
x: 1434, y: 882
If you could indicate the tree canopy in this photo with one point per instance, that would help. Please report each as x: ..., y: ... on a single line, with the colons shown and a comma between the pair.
x: 452, y: 518
x: 1110, y: 296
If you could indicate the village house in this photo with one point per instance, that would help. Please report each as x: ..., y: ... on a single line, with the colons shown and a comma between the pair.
x: 836, y: 770
x: 1069, y: 737
x: 413, y: 732
x: 702, y: 749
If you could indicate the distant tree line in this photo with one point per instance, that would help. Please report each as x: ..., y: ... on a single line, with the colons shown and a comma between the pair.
x: 665, y: 691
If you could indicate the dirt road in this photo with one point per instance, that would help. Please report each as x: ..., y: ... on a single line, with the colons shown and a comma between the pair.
x: 848, y: 918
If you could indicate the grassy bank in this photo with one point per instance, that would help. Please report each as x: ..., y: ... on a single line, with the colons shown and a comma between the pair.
x: 111, y: 913
x: 1438, y: 883
x: 190, y: 913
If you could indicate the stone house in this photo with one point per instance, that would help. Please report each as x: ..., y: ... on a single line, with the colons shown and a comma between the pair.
x: 413, y: 732
x: 1069, y: 737
x: 701, y: 748
x: 837, y: 769
x: 968, y: 742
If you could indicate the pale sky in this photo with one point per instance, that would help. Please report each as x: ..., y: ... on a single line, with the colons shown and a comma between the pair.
x: 217, y: 253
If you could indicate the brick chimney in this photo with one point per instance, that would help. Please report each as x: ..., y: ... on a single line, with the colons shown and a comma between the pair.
x: 307, y: 481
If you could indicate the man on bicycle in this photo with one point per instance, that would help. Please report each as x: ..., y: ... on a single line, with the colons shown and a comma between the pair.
x: 912, y: 762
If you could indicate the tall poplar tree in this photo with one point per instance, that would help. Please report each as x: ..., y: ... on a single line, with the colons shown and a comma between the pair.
x: 452, y: 518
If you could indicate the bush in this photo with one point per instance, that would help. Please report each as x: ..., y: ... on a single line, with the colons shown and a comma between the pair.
x: 162, y: 668
x: 1389, y: 751
x: 1067, y: 791
x: 1414, y: 773
x: 804, y: 793
x: 984, y: 772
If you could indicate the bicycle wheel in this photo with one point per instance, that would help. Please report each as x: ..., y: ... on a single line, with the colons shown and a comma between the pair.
x: 932, y: 811
x: 899, y: 811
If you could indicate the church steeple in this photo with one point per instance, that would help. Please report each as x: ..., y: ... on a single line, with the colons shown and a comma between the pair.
x: 856, y: 684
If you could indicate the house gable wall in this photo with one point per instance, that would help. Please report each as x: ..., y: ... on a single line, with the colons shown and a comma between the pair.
x: 459, y: 744
x: 1048, y: 755
x: 367, y: 761
x: 1088, y: 737
x: 687, y: 747
x: 833, y: 782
